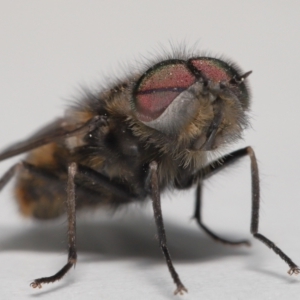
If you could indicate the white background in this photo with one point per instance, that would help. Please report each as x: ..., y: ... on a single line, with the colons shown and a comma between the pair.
x: 50, y: 49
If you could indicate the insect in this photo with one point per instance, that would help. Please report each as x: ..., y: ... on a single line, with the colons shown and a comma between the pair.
x: 131, y: 141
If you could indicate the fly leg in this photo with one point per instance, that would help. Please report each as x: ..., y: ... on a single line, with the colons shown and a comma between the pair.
x: 155, y: 194
x: 294, y: 269
x: 198, y: 218
x: 198, y: 178
x: 91, y: 176
x: 207, y: 172
x: 215, y: 167
x: 71, y: 212
x: 10, y: 173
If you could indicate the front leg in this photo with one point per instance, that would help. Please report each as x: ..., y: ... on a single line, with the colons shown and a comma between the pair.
x: 294, y: 269
x: 198, y: 218
x: 211, y: 169
x: 217, y: 166
x: 228, y: 160
x: 155, y: 195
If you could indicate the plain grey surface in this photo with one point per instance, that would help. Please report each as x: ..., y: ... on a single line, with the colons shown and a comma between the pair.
x: 49, y: 50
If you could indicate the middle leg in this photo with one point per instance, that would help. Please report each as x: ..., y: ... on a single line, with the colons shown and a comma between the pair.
x: 155, y: 194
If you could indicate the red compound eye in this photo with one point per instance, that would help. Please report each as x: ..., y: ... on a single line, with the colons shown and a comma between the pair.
x: 159, y: 86
x: 212, y: 68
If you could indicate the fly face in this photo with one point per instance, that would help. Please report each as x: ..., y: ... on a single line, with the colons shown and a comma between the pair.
x: 203, y: 98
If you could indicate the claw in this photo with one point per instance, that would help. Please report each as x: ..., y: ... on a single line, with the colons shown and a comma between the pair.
x: 180, y: 290
x: 35, y: 284
x: 294, y: 270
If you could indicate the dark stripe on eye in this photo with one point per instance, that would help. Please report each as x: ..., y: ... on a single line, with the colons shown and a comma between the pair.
x: 159, y: 86
x: 158, y: 90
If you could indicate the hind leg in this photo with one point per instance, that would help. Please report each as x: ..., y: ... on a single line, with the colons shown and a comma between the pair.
x: 95, y: 178
x: 71, y: 212
x: 29, y: 175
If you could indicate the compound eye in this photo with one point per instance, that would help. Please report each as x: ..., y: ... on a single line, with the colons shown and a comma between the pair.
x: 212, y: 69
x: 216, y: 70
x: 159, y: 86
